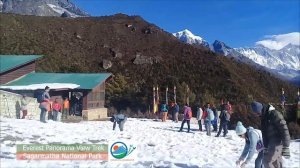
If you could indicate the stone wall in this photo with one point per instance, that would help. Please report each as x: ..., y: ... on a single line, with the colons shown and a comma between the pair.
x: 10, y: 106
x: 94, y: 114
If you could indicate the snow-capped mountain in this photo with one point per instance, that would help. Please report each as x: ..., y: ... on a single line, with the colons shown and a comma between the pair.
x: 284, y: 63
x: 41, y: 8
x: 221, y: 48
x: 188, y: 37
x: 285, y: 58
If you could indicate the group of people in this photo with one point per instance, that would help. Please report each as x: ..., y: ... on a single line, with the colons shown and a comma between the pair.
x: 207, y: 115
x: 271, y: 143
x: 55, y: 109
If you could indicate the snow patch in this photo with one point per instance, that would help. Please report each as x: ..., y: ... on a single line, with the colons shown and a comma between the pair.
x: 61, y: 10
x: 42, y: 86
x: 158, y: 144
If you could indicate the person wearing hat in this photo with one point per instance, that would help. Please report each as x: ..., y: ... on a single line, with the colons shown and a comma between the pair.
x: 276, y: 137
x: 253, y: 142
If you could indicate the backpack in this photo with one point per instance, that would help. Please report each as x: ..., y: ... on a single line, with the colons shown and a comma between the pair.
x: 211, y: 114
x: 260, y: 144
x: 227, y: 116
x: 189, y: 114
x: 176, y: 108
x: 40, y: 97
x: 163, y: 108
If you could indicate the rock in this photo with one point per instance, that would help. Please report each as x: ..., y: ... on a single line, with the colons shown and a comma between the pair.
x: 140, y: 59
x: 65, y: 14
x: 115, y: 53
x: 105, y: 46
x: 77, y: 36
x: 107, y: 64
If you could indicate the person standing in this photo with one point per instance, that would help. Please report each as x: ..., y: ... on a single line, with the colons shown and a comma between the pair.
x: 24, y: 103
x: 224, y: 119
x: 208, y: 119
x: 275, y: 133
x: 176, y: 112
x: 215, y: 121
x: 44, y: 104
x: 164, y: 112
x: 66, y: 108
x: 56, y: 106
x: 253, y: 142
x: 187, y: 115
x: 172, y: 109
x: 199, y: 117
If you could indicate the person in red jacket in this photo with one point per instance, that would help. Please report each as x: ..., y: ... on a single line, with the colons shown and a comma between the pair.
x: 56, y: 106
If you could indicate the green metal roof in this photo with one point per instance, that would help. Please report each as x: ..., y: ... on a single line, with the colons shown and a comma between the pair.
x: 84, y: 80
x: 8, y: 62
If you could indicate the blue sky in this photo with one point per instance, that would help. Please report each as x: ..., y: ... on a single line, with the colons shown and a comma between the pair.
x: 238, y: 23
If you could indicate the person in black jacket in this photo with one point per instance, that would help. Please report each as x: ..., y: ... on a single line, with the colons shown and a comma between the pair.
x: 119, y: 119
x: 276, y: 137
x: 224, y: 119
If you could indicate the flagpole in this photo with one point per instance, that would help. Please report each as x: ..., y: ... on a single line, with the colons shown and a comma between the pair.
x: 175, y: 94
x: 167, y: 96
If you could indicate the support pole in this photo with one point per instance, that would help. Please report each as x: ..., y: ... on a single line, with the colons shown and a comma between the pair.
x: 154, y: 102
x: 167, y: 95
x: 175, y: 94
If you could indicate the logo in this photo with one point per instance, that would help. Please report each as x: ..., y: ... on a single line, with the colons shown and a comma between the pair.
x: 119, y: 150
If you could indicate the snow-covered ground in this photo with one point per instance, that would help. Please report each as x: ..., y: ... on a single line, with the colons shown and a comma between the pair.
x: 158, y: 144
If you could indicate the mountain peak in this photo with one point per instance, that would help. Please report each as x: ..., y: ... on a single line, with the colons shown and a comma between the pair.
x: 188, y: 37
x: 221, y: 48
x: 187, y: 32
x: 41, y: 7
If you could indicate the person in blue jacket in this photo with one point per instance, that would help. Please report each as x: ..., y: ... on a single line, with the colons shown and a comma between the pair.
x: 253, y: 142
x: 208, y: 119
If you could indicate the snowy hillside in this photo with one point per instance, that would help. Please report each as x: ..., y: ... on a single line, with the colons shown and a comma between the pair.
x: 158, y: 144
x: 283, y: 62
x: 285, y: 58
x: 41, y: 7
x: 189, y: 38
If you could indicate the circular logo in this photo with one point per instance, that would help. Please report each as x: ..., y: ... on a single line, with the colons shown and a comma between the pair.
x: 118, y: 150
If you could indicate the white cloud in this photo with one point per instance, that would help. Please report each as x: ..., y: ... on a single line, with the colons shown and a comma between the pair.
x: 279, y: 41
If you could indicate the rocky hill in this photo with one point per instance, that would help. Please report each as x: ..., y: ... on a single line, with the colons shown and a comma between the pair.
x: 142, y: 53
